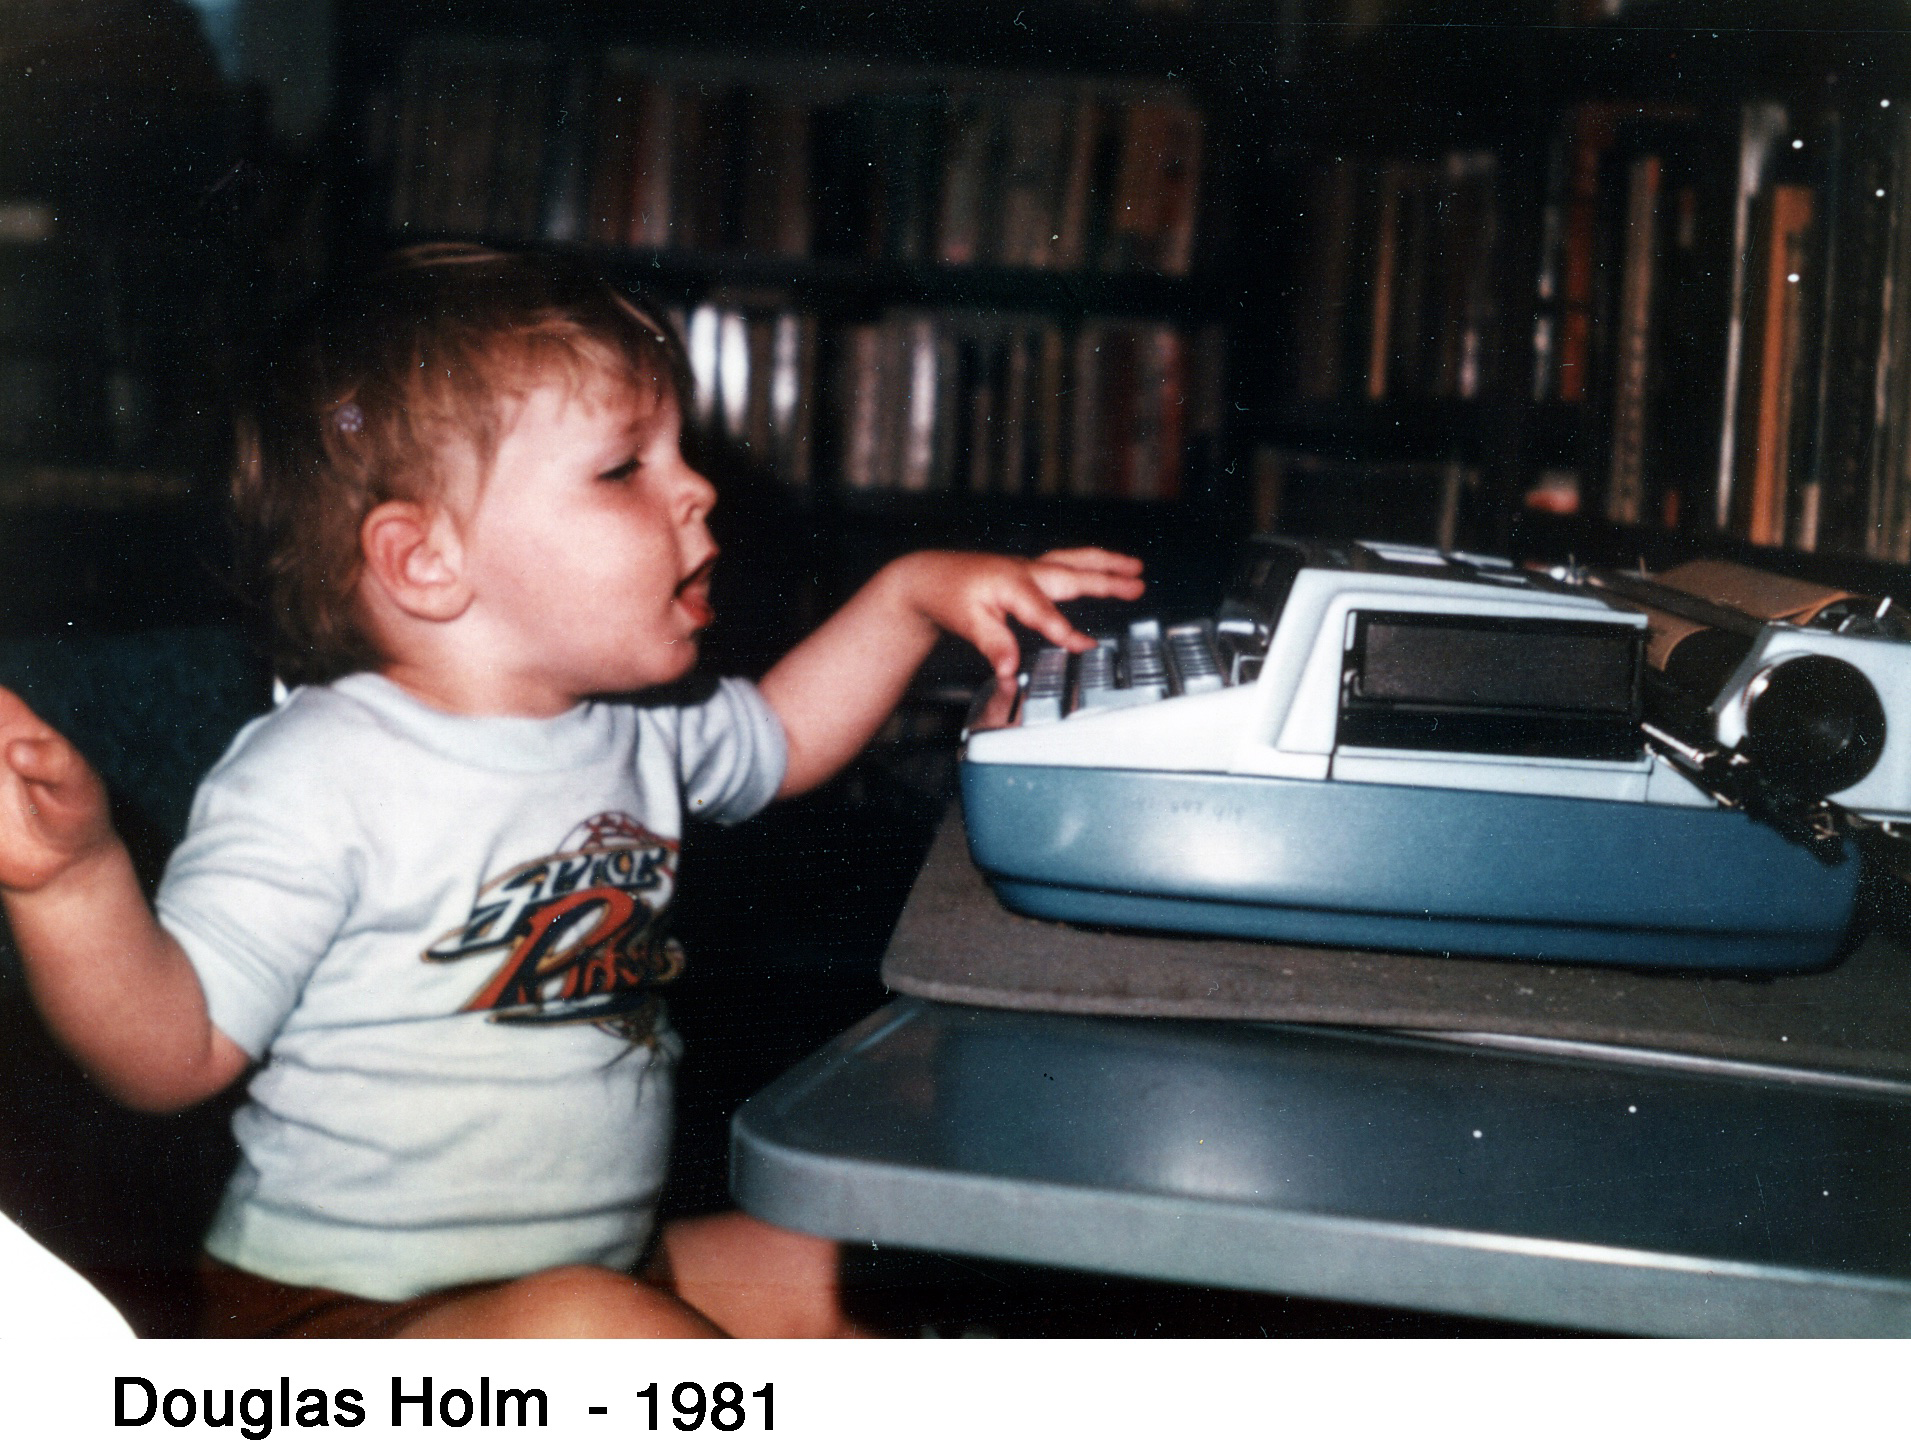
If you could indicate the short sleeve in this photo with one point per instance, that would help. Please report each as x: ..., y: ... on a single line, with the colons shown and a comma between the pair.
x: 731, y: 753
x: 255, y: 894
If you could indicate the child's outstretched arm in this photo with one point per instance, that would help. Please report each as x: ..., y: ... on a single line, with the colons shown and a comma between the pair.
x: 116, y: 990
x: 833, y: 690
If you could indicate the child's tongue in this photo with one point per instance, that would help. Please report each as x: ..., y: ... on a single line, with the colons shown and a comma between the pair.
x: 694, y: 595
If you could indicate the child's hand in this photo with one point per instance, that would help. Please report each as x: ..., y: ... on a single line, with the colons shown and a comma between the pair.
x: 52, y: 806
x: 834, y: 689
x: 974, y: 595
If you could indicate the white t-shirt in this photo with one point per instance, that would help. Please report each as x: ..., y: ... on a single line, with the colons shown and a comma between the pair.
x: 423, y: 924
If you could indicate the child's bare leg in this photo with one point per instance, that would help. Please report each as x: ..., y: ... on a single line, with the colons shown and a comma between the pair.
x: 755, y: 1280
x: 564, y: 1302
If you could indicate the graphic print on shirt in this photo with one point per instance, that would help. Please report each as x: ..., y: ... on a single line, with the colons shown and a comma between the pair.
x: 578, y: 928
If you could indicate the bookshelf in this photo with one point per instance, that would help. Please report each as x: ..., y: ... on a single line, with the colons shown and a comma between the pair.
x: 1513, y: 277
x: 120, y: 279
x: 1668, y: 242
x: 947, y: 275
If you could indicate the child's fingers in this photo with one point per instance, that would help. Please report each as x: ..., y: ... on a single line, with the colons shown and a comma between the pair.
x: 25, y: 740
x: 47, y: 760
x: 1094, y: 560
x: 994, y: 642
x: 1034, y: 610
x: 16, y: 718
x: 1061, y: 580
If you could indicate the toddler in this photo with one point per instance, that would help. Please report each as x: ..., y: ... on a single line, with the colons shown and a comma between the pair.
x: 423, y: 895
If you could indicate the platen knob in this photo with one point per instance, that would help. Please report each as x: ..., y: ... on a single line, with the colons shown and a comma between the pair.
x: 1813, y: 724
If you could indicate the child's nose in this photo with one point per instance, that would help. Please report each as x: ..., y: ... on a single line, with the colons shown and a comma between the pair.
x: 699, y: 493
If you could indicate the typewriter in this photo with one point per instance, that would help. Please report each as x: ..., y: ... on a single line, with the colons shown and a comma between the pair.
x: 1393, y: 747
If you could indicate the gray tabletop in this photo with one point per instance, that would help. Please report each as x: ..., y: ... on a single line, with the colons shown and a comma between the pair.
x: 1603, y: 1188
x: 956, y: 943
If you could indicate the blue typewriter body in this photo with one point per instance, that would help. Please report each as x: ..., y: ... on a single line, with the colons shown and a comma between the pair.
x: 1386, y: 748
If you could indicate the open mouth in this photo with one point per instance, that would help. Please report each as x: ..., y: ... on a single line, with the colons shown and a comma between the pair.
x: 693, y: 593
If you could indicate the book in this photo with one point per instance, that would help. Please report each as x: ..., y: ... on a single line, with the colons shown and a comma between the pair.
x: 1386, y: 270
x: 1082, y: 183
x: 1051, y: 390
x: 773, y: 169
x: 859, y: 392
x: 1035, y: 154
x: 1860, y: 139
x: 1625, y: 484
x: 792, y: 399
x: 1151, y: 218
x: 653, y: 157
x: 525, y: 132
x: 1019, y: 439
x: 1326, y: 301
x: 1465, y: 254
x: 612, y: 167
x: 1888, y: 514
x: 1772, y: 371
x: 970, y: 161
x: 622, y: 149
x: 1591, y: 137
x: 565, y: 211
x: 1760, y: 127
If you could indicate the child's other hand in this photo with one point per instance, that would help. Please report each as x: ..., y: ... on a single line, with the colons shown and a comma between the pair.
x: 52, y: 806
x: 974, y: 595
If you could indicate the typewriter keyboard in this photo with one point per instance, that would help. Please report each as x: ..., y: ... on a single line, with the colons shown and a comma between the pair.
x: 1145, y: 664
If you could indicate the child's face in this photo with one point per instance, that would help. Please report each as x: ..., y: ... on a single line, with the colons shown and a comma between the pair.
x: 587, y: 550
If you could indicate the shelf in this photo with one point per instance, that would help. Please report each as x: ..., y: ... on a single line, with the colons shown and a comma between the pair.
x: 1412, y: 428
x: 981, y: 37
x: 1556, y: 538
x: 843, y: 286
x: 30, y: 486
x: 1455, y: 79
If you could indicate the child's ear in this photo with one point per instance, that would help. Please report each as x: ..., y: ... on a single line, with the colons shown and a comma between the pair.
x: 414, y: 556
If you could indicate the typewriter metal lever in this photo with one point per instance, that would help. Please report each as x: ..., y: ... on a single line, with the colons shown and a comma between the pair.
x: 1736, y: 783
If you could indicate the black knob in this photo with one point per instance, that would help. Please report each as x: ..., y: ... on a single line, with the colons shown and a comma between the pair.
x: 1813, y: 724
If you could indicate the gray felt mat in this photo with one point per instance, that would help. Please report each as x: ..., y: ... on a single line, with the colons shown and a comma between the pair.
x: 956, y: 943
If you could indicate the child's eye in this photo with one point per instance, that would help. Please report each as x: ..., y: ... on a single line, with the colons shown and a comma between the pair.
x: 617, y: 474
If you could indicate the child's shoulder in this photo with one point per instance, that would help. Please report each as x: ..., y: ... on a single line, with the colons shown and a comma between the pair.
x: 306, y: 740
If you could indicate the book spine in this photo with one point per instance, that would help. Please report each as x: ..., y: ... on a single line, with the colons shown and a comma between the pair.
x: 525, y: 128
x: 1760, y: 128
x: 1043, y: 179
x: 922, y: 391
x: 471, y: 126
x: 653, y: 150
x: 703, y: 343
x: 1625, y: 485
x: 859, y: 394
x: 567, y: 195
x: 792, y: 397
x: 1888, y: 517
x: 1085, y: 452
x: 1050, y: 389
x: 1078, y: 185
x: 967, y: 165
x: 758, y: 433
x: 1857, y: 243
x: 974, y: 458
x: 1788, y: 215
x: 1386, y: 261
x: 613, y: 164
x: 1326, y: 299
x: 1592, y: 138
x: 1547, y: 279
x: 1168, y: 377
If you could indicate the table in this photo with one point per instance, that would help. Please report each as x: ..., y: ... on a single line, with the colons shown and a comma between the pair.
x: 1595, y: 1184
